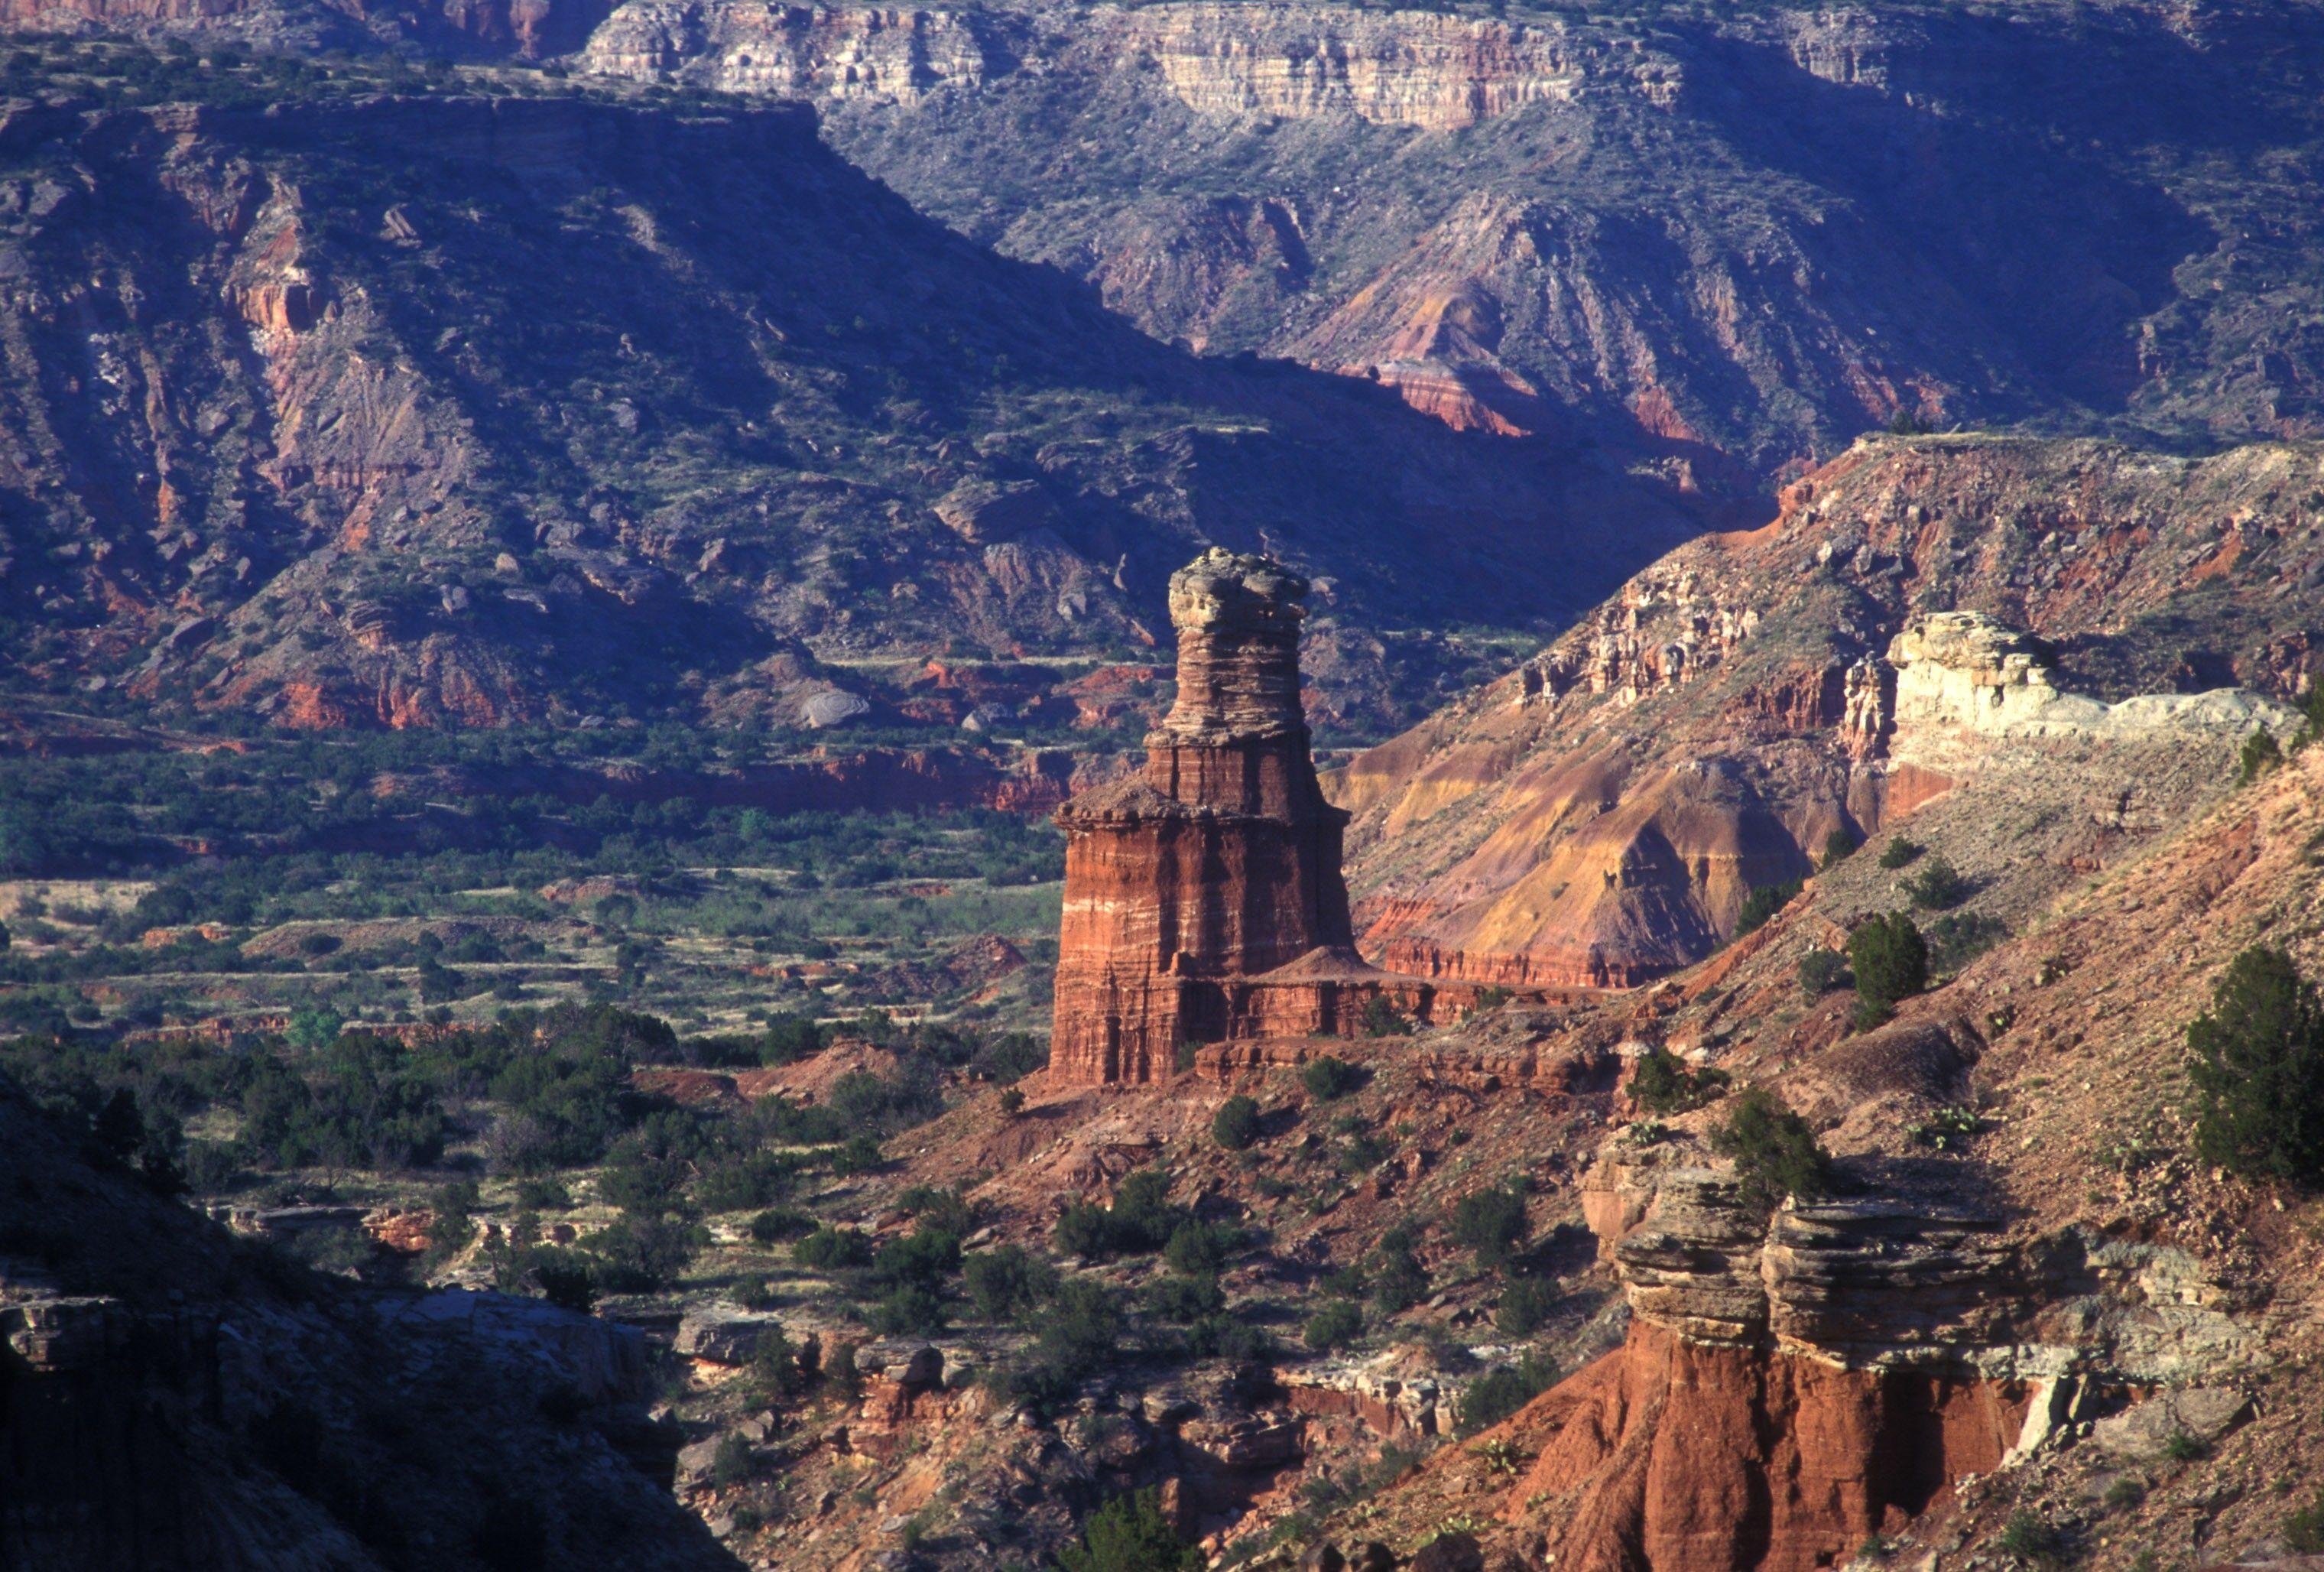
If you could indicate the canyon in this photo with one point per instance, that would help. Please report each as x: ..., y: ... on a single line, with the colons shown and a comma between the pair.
x: 371, y: 460
x: 1599, y: 815
x: 1502, y: 541
x: 1722, y: 244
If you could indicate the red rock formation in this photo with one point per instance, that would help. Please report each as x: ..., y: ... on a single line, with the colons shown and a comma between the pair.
x: 1203, y: 900
x: 1689, y: 1457
x: 1220, y: 860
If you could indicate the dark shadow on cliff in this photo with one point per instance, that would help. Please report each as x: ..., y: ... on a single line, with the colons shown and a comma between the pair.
x: 172, y: 1396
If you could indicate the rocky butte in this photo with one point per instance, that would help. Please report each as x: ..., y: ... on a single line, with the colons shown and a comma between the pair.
x: 1203, y: 899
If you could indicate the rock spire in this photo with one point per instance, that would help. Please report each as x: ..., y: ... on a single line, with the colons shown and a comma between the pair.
x: 1220, y: 860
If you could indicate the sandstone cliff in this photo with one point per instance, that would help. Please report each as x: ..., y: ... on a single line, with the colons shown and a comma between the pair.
x: 1599, y: 816
x: 369, y: 459
x: 882, y: 56
x: 1730, y: 241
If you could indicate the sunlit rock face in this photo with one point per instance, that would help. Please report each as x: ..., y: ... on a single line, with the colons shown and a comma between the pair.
x: 1222, y: 860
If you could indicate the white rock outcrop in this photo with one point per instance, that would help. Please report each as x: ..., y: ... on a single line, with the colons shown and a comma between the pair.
x: 1964, y: 673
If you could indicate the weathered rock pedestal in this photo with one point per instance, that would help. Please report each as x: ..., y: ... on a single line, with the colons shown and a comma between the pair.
x: 1189, y: 884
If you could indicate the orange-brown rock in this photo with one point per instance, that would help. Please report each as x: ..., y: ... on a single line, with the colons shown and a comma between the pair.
x: 1222, y: 860
x: 1203, y: 899
x: 1689, y: 1457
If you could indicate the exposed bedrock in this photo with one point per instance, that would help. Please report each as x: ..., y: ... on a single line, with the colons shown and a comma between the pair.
x: 1203, y: 899
x: 1600, y: 817
x: 1790, y: 1388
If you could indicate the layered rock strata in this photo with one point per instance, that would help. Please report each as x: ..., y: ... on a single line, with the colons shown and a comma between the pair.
x: 1793, y: 1386
x: 1441, y: 73
x: 874, y: 53
x: 1203, y: 899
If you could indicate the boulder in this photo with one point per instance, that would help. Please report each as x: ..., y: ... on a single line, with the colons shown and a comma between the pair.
x: 722, y: 1336
x: 2146, y: 1432
x: 911, y: 1366
x: 1255, y: 1443
x: 698, y: 1459
x: 832, y: 707
x: 1449, y: 1553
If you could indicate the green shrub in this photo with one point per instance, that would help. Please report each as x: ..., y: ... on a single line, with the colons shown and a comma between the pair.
x: 1185, y: 1298
x: 1959, y: 937
x: 1840, y: 846
x: 730, y: 1464
x: 830, y: 1249
x: 1143, y: 1219
x: 211, y: 1167
x: 1199, y: 1248
x: 1083, y: 1230
x: 2262, y: 752
x: 1937, y: 886
x: 1491, y: 1224
x: 1491, y: 999
x: 2303, y: 1530
x: 1823, y: 970
x: 861, y: 1154
x: 2032, y: 1536
x: 1236, y: 1125
x: 742, y: 1181
x: 1661, y: 1083
x: 775, y: 1226
x: 1775, y: 1153
x: 1497, y: 1394
x: 2179, y: 1446
x: 1328, y: 1079
x: 644, y: 1254
x: 1762, y: 902
x: 566, y: 1278
x: 907, y: 1310
x: 921, y: 1259
x: 1012, y: 1102
x: 1398, y: 1280
x: 948, y: 1210
x: 1949, y: 1129
x: 1080, y: 1328
x: 2256, y: 1059
x: 1129, y: 1534
x: 1223, y: 1337
x: 1523, y: 1305
x: 543, y: 1195
x: 1382, y: 1018
x: 1140, y: 1220
x: 1338, y: 1324
x: 1898, y: 852
x: 1890, y: 959
x: 2124, y: 1493
x: 439, y: 983
x: 778, y: 1368
x: 1011, y: 1058
x: 1007, y: 1281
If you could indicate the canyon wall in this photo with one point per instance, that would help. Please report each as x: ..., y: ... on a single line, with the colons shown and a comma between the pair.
x: 1600, y: 816
x: 1438, y: 72
x: 870, y: 53
x: 1793, y: 1386
x: 335, y: 475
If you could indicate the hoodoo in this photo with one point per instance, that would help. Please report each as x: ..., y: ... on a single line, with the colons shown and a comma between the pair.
x: 1204, y: 898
